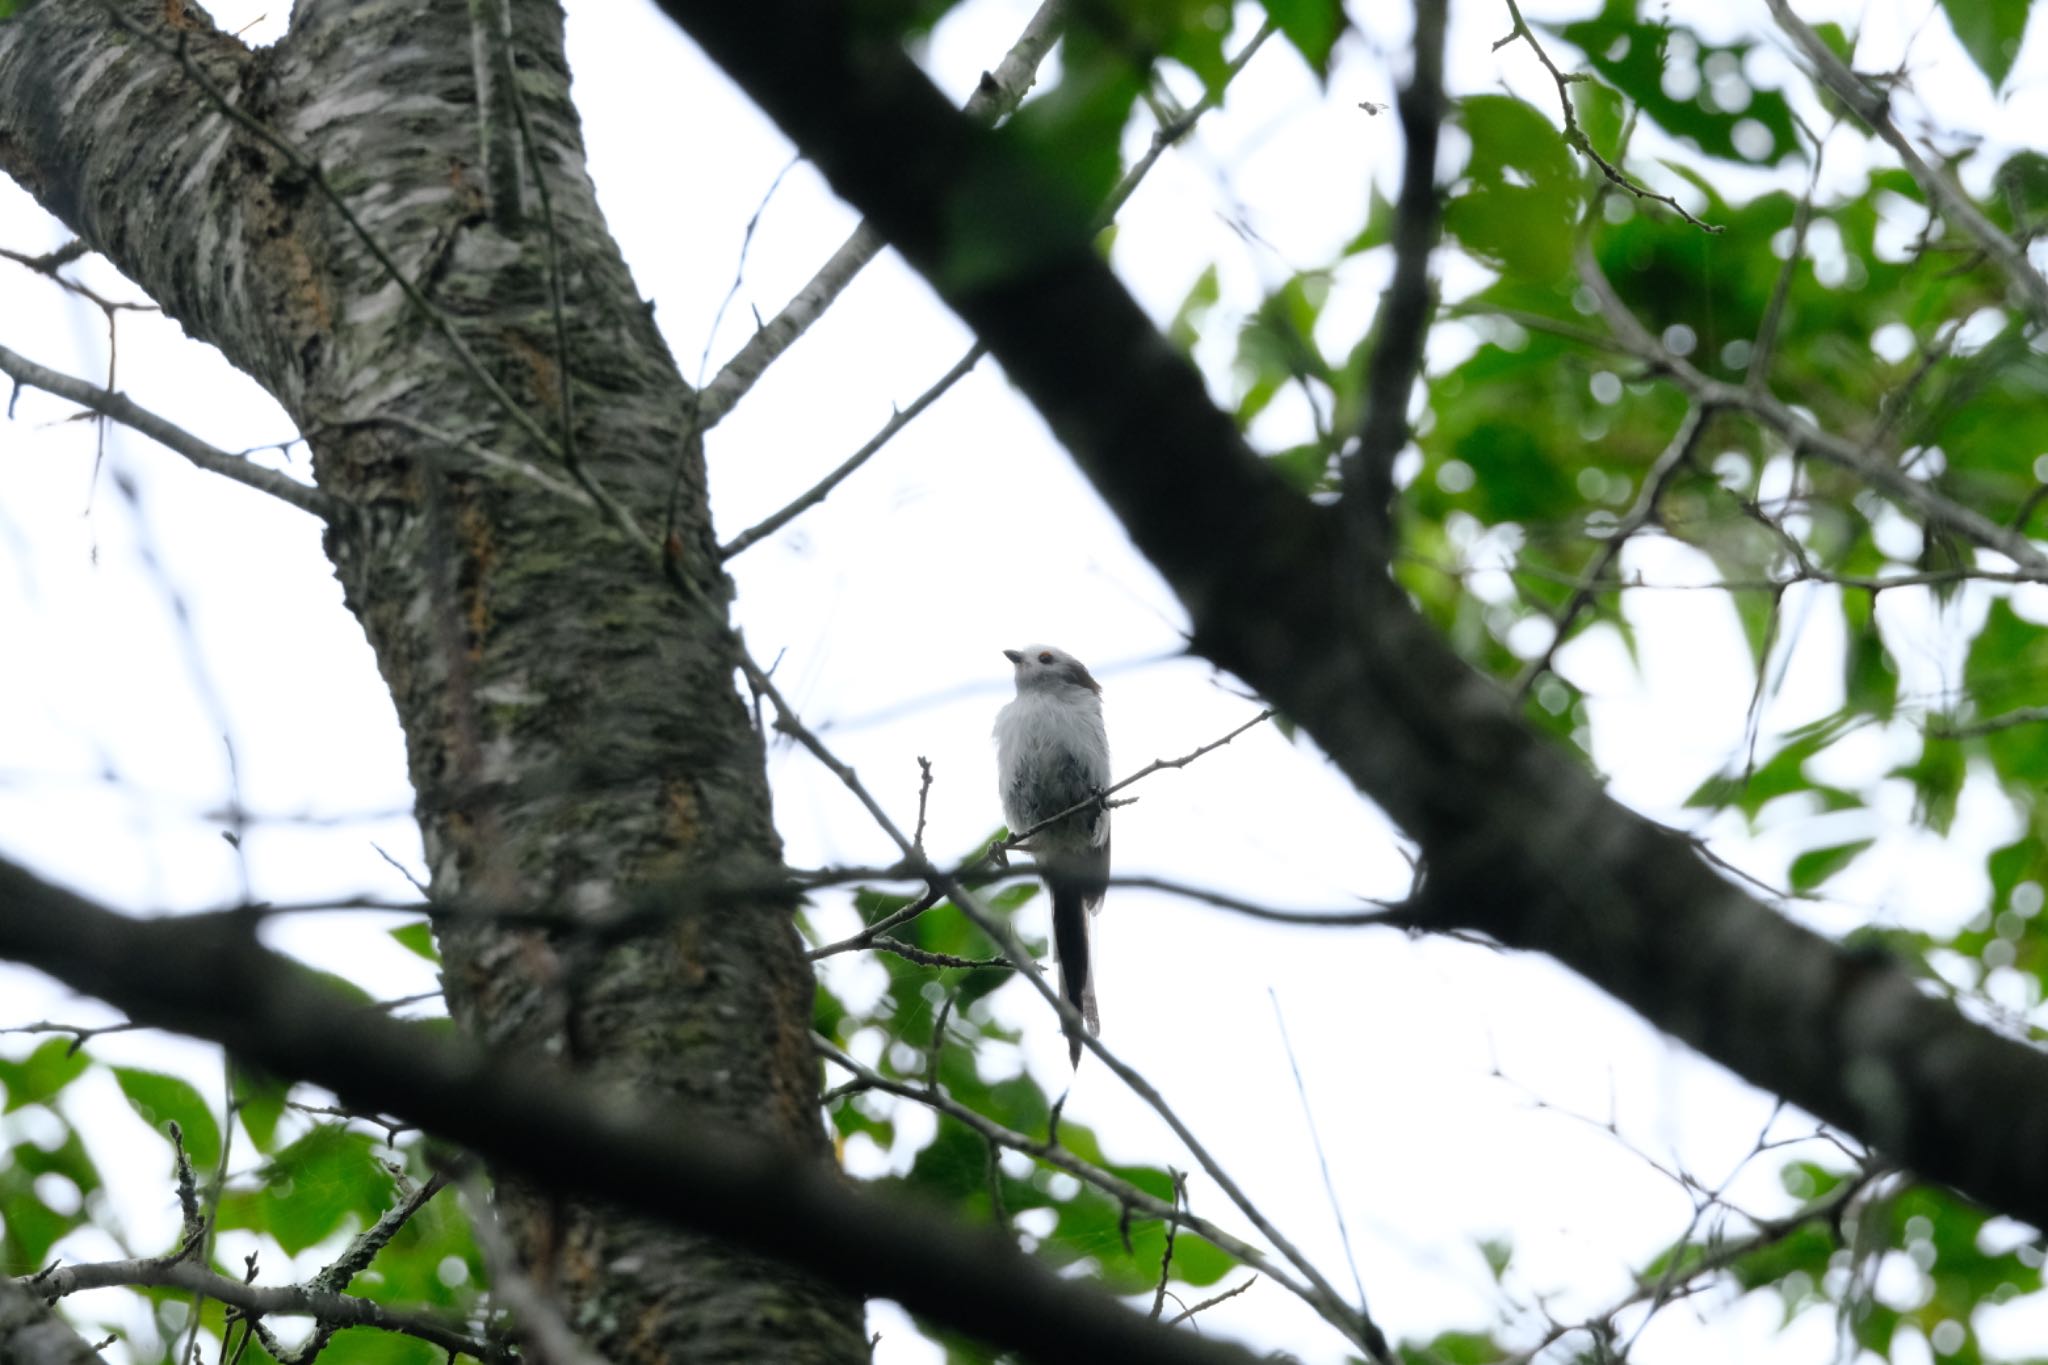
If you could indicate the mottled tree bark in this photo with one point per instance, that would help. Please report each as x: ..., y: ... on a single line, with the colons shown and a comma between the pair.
x: 30, y: 1334
x: 571, y: 721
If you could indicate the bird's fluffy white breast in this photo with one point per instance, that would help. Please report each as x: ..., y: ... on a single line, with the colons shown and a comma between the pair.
x: 1038, y: 728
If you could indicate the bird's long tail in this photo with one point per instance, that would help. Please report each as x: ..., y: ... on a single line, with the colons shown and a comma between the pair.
x: 1070, y: 946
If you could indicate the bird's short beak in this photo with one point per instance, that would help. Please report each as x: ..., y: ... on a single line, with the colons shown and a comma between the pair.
x: 1014, y: 656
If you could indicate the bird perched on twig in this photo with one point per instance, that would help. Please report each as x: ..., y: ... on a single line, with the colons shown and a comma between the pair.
x: 1052, y: 754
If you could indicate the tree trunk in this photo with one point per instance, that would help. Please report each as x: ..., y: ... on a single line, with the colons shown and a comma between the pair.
x: 573, y: 730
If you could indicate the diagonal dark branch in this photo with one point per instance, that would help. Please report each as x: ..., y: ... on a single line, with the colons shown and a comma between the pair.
x: 571, y: 1134
x: 1166, y: 136
x: 1521, y: 842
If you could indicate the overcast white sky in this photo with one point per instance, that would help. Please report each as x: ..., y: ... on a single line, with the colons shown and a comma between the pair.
x: 887, y: 606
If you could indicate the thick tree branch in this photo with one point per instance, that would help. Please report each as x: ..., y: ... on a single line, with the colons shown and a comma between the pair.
x: 571, y: 1135
x: 1521, y: 841
x: 1164, y: 137
x: 129, y: 120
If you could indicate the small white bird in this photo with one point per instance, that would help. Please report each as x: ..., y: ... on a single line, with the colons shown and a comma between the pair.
x: 1052, y: 753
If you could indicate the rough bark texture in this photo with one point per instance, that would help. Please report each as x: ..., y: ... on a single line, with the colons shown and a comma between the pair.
x: 30, y: 1334
x: 571, y: 722
x: 1521, y: 841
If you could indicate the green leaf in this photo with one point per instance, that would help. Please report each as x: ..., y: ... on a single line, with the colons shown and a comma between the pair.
x: 28, y: 1226
x: 1783, y: 774
x: 36, y: 1077
x: 1809, y: 1249
x: 1499, y: 1252
x: 378, y: 1348
x: 1871, y: 683
x: 1379, y: 225
x: 1186, y: 327
x: 418, y: 937
x: 1711, y: 113
x: 162, y: 1100
x: 259, y: 1103
x: 312, y: 1189
x: 1312, y: 26
x: 1518, y: 198
x: 1816, y: 865
x: 2002, y: 672
x: 1455, y: 1348
x: 1937, y: 778
x: 1989, y: 31
x: 1276, y: 345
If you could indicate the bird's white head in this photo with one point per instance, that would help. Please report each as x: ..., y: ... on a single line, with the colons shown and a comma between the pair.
x: 1042, y: 668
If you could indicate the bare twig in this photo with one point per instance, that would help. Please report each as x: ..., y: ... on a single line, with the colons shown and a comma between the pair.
x: 820, y: 490
x: 1165, y: 137
x: 1180, y: 1198
x: 1675, y: 457
x: 1575, y: 136
x: 1018, y: 839
x: 50, y: 263
x: 1712, y: 1259
x: 343, y: 1310
x: 1049, y: 1151
x: 2005, y: 720
x: 80, y: 1034
x: 1316, y: 1139
x: 1873, y: 107
x: 125, y: 410
x: 1172, y: 131
x: 1766, y: 344
x: 998, y: 93
x: 977, y: 867
x: 1355, y: 1324
x: 363, y: 1248
x: 1186, y: 1313
x: 1801, y: 434
x: 923, y: 957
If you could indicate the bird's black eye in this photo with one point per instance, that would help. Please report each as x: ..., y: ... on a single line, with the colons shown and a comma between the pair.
x: 1045, y: 656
